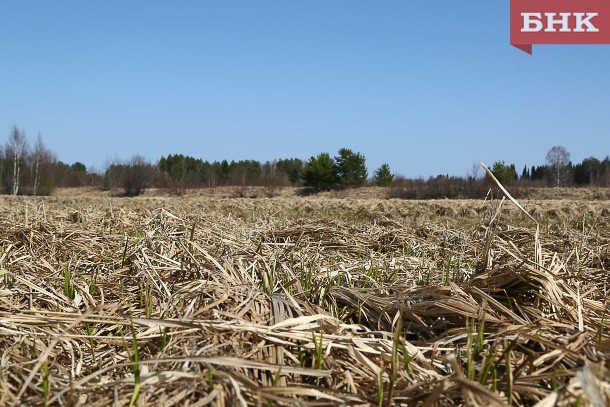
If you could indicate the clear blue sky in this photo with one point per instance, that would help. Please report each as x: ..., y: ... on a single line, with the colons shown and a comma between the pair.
x: 430, y: 87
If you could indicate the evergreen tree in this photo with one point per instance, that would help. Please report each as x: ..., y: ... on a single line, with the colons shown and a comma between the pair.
x: 525, y: 174
x: 587, y: 172
x: 320, y: 172
x: 383, y: 175
x: 504, y: 173
x: 224, y: 171
x: 351, y: 168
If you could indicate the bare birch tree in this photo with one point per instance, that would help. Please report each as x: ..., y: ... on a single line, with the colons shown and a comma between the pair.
x: 15, y: 150
x: 41, y: 156
x: 558, y: 159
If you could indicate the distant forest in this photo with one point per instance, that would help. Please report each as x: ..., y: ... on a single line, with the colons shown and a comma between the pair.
x: 31, y: 168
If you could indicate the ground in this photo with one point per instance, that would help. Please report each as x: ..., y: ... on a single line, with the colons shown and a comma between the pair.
x: 249, y: 296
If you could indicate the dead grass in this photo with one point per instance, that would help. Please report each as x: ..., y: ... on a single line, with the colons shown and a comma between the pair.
x: 302, y: 301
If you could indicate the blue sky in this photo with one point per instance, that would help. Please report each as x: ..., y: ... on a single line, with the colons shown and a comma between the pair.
x: 429, y: 87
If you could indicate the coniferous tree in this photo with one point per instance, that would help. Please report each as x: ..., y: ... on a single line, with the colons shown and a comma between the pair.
x: 587, y: 172
x: 320, y: 172
x: 525, y: 174
x: 383, y: 175
x: 504, y: 173
x: 351, y: 168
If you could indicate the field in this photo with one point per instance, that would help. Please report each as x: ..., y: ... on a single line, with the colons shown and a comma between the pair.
x: 251, y: 297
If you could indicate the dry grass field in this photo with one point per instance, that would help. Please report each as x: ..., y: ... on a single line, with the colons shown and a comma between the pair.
x: 334, y: 299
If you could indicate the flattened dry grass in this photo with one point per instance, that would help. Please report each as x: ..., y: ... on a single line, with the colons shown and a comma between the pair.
x: 298, y: 301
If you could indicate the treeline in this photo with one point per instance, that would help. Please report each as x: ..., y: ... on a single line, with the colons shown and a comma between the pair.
x: 591, y: 171
x: 558, y: 171
x: 178, y: 172
x: 31, y: 168
x: 181, y: 171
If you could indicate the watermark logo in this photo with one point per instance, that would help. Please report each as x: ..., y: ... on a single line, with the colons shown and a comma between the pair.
x: 559, y: 22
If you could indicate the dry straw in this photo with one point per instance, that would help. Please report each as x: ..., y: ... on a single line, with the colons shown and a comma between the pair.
x: 299, y: 301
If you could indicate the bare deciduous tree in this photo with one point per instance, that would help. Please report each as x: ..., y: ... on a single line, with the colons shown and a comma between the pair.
x: 136, y: 176
x: 558, y: 160
x: 40, y: 157
x: 15, y: 150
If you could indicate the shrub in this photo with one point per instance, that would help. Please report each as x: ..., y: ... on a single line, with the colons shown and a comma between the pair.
x: 136, y: 176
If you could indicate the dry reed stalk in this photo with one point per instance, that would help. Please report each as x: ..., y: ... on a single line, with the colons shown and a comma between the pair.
x: 294, y: 301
